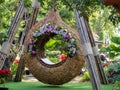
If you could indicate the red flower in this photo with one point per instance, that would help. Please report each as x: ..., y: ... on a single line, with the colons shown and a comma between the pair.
x: 0, y: 72
x: 16, y: 62
x: 4, y: 72
x: 63, y: 57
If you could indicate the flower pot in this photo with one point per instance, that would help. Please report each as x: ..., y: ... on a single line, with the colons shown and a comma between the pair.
x: 3, y: 88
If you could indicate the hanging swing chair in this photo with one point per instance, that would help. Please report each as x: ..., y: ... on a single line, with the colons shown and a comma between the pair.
x: 55, y: 74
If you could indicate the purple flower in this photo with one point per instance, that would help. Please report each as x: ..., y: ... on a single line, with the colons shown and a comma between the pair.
x: 30, y: 47
x: 48, y: 27
x: 56, y: 29
x: 67, y: 36
x: 33, y: 52
x: 31, y: 41
x: 74, y: 50
x: 52, y: 27
x: 73, y: 45
x: 49, y: 30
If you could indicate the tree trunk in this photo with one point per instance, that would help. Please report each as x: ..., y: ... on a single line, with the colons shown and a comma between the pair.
x: 20, y: 71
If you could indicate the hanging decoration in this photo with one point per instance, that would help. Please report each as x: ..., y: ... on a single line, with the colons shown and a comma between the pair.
x: 67, y: 68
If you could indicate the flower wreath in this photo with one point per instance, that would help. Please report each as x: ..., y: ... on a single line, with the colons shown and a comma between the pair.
x: 48, y: 28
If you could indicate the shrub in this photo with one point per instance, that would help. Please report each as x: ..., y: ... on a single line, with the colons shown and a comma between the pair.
x: 86, y: 76
x: 116, y: 86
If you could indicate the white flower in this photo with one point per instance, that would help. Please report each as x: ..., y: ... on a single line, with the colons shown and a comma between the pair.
x: 72, y: 40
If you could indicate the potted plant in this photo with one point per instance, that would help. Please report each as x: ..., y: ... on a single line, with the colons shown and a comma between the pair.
x: 4, y: 74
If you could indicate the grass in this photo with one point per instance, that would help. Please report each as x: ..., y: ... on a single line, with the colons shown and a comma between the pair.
x: 41, y: 86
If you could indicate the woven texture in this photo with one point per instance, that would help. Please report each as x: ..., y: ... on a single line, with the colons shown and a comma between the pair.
x: 62, y: 72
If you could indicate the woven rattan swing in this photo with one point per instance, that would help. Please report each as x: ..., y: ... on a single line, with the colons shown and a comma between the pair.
x: 59, y: 73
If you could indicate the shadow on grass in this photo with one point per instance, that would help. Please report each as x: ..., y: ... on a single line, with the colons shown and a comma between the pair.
x: 66, y: 87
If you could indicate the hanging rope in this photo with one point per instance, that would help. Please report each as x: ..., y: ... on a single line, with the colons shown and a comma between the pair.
x: 54, y: 4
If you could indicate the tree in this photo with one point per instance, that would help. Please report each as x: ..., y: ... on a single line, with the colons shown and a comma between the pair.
x: 101, y: 24
x: 88, y: 9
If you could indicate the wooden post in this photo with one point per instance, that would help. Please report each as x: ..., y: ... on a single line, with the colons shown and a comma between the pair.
x: 102, y: 75
x: 87, y: 50
x: 11, y: 34
x: 15, y: 22
x: 30, y: 23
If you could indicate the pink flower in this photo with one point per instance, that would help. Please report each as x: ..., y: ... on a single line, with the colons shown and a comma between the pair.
x: 31, y: 41
x: 67, y: 36
x: 33, y: 52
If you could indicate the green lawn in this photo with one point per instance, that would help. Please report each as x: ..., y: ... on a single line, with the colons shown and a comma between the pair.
x: 41, y: 86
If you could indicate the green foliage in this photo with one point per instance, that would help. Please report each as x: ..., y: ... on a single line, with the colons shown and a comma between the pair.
x: 1, y: 1
x: 87, y: 7
x: 28, y: 6
x: 115, y: 39
x: 14, y: 69
x: 114, y: 48
x: 114, y: 67
x: 7, y: 12
x: 86, y: 76
x: 100, y: 23
x: 52, y: 53
x: 114, y: 16
x: 67, y: 16
x: 101, y: 36
x: 113, y: 72
x: 51, y: 43
x: 3, y: 37
x: 54, y: 47
x: 55, y: 43
x: 116, y: 85
x: 53, y: 56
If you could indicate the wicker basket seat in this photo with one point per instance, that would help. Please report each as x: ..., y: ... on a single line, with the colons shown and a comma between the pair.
x: 59, y: 73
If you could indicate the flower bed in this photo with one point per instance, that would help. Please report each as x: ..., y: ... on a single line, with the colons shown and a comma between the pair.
x: 4, y: 74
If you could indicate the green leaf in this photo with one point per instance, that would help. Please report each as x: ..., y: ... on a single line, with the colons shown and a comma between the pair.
x: 1, y: 1
x: 50, y: 43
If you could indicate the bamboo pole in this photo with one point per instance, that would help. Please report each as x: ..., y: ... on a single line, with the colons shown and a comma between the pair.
x: 11, y: 34
x: 2, y: 58
x: 102, y: 75
x: 87, y: 50
x: 15, y: 22
x: 30, y: 23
